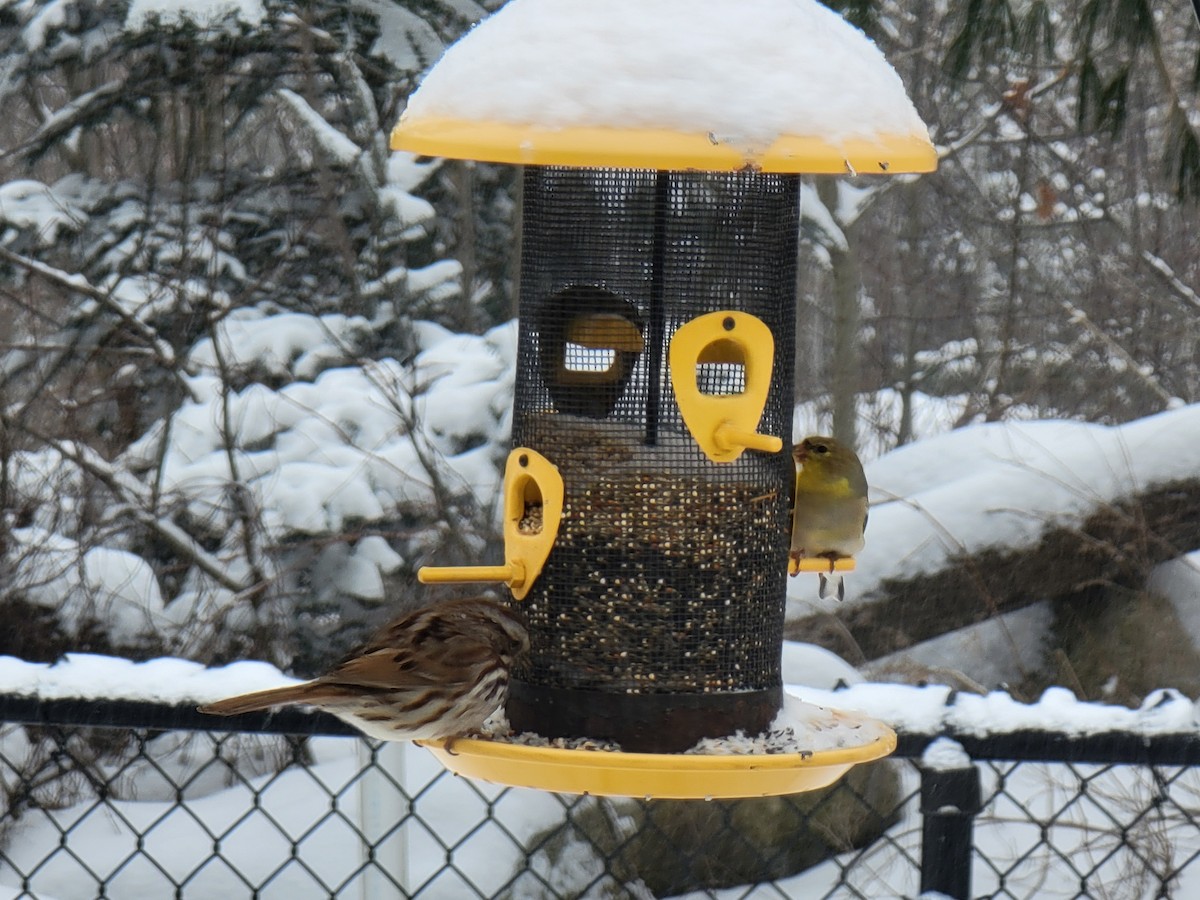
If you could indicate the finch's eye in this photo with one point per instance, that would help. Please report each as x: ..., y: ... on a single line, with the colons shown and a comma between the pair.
x: 821, y: 448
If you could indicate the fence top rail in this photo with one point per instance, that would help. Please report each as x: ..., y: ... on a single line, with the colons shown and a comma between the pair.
x: 1038, y: 745
x: 1025, y: 745
x: 132, y: 714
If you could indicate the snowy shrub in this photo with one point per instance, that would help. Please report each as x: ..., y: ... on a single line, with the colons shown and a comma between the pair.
x: 230, y: 425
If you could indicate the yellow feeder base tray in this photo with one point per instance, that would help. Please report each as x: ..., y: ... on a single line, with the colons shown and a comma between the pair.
x: 671, y: 776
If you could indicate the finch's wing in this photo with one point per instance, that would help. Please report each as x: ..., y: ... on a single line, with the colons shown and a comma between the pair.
x: 793, y: 490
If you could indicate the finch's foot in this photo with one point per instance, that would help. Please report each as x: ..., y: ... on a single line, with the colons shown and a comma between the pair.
x: 794, y: 558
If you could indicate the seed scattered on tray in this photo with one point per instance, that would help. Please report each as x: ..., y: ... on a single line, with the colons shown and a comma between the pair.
x: 799, y: 728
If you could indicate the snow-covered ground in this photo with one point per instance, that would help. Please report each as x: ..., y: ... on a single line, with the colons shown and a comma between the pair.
x: 1003, y: 484
x: 295, y: 809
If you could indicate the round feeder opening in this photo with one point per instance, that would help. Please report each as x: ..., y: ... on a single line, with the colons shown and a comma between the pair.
x: 589, y: 342
x: 531, y: 511
x: 721, y: 369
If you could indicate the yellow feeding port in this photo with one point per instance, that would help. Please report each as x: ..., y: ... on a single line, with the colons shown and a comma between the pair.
x: 721, y: 373
x: 533, y: 502
x: 667, y: 775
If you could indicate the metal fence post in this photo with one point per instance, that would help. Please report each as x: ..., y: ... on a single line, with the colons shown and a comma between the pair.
x: 383, y: 806
x: 950, y: 800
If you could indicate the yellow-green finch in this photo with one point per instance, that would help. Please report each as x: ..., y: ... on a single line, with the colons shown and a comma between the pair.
x: 831, y: 505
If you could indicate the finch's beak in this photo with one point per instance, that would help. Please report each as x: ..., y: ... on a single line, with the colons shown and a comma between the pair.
x: 800, y: 454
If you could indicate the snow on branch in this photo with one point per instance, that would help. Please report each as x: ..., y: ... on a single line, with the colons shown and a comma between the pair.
x: 134, y: 497
x: 105, y: 299
x: 213, y: 16
x: 87, y: 106
x: 165, y: 680
x: 336, y: 146
x: 1181, y: 290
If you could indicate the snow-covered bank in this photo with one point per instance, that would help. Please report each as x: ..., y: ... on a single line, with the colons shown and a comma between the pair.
x: 1001, y: 485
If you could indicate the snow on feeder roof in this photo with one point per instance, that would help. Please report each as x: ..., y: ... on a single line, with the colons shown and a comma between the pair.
x: 776, y: 85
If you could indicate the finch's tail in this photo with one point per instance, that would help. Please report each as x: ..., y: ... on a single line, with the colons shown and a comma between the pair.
x: 833, y: 579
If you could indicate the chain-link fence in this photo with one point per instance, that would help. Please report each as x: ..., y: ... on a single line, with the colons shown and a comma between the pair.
x: 131, y: 800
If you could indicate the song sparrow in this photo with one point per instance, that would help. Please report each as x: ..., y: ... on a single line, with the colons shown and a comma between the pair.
x: 439, y: 672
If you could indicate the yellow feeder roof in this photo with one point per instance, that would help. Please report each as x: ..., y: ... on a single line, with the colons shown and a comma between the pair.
x: 649, y: 148
x: 776, y: 85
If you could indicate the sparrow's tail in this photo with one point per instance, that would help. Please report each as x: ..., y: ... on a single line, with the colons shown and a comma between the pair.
x: 253, y: 702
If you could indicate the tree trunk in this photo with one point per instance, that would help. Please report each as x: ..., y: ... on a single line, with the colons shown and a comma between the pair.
x: 462, y: 176
x: 844, y: 365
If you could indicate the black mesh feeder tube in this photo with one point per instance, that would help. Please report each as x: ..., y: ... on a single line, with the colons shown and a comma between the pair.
x: 658, y: 617
x: 654, y: 373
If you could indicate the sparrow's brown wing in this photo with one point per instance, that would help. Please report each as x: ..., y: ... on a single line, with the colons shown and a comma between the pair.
x: 457, y: 660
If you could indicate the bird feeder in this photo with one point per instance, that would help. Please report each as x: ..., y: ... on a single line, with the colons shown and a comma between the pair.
x: 656, y: 349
